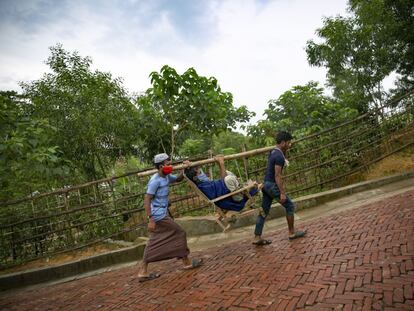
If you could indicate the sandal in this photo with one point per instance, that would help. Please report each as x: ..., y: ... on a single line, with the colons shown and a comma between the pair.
x: 195, y: 263
x: 262, y: 242
x: 298, y: 234
x: 151, y: 276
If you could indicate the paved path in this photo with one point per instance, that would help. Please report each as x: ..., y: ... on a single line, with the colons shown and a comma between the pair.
x: 358, y: 259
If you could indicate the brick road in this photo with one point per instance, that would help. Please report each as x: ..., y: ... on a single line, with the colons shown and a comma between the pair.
x: 360, y: 259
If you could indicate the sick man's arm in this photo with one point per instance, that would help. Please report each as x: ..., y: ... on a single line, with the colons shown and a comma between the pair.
x: 220, y: 161
x: 180, y: 176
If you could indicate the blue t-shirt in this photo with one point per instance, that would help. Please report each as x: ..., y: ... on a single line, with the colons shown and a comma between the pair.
x: 202, y: 177
x: 213, y: 188
x: 159, y: 187
x: 276, y: 157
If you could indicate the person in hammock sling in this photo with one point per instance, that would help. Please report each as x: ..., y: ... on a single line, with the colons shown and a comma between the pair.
x: 274, y: 189
x: 167, y: 239
x: 217, y: 188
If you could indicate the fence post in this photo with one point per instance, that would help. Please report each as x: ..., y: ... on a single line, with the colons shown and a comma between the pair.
x: 245, y: 162
x: 210, y: 167
x: 13, y: 245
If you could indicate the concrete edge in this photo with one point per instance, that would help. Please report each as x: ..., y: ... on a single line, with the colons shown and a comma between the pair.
x: 47, y: 274
x: 200, y: 225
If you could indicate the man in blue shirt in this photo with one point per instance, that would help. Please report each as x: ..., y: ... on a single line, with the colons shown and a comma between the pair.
x: 274, y: 188
x: 167, y: 239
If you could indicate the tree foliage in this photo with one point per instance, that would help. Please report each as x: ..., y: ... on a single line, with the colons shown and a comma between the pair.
x: 225, y: 142
x: 360, y: 51
x: 229, y: 139
x: 303, y: 110
x: 94, y: 118
x: 193, y: 147
x: 29, y: 161
x: 176, y: 104
x: 396, y: 19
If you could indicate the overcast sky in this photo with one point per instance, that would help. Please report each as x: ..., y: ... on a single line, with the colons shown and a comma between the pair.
x: 255, y: 48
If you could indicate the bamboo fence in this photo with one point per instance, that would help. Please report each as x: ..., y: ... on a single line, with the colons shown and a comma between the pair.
x: 82, y: 215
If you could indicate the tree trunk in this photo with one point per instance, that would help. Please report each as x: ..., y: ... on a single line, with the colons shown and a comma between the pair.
x: 172, y: 143
x: 101, y: 166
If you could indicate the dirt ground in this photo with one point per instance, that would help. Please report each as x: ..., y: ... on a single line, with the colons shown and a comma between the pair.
x: 400, y: 162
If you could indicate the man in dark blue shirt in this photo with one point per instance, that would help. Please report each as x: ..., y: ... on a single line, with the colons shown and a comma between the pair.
x: 274, y: 189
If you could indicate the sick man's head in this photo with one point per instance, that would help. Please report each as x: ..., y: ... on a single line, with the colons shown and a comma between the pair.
x: 192, y: 173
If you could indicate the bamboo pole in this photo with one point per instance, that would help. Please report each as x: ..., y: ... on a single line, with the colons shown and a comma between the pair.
x: 141, y: 174
x: 245, y: 163
x: 210, y: 169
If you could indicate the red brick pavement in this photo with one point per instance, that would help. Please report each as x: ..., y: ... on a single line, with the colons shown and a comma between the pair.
x: 360, y: 259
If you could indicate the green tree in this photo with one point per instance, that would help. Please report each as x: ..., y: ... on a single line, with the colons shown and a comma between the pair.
x: 226, y: 142
x: 303, y: 110
x: 395, y: 18
x: 262, y: 133
x: 360, y: 51
x: 192, y: 147
x: 94, y: 118
x: 188, y: 103
x: 229, y: 139
x: 29, y: 161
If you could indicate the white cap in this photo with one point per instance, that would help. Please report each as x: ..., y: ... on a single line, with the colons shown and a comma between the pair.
x: 159, y: 158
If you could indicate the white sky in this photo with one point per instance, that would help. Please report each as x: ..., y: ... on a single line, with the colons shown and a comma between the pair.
x: 255, y: 49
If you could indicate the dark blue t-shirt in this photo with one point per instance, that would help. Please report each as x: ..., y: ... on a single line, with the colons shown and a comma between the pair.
x: 276, y: 157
